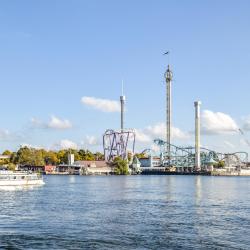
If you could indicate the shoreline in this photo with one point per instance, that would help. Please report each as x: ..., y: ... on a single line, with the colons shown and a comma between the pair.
x: 158, y: 173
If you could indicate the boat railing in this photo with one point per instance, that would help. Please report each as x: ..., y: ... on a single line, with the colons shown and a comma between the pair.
x: 20, y: 176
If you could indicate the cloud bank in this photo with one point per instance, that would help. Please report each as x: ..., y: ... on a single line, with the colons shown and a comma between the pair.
x: 214, y: 123
x: 158, y: 130
x: 65, y: 144
x: 103, y: 105
x: 53, y: 123
x: 57, y: 123
x: 90, y: 141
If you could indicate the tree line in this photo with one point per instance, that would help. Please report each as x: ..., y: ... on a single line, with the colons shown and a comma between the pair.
x: 41, y: 157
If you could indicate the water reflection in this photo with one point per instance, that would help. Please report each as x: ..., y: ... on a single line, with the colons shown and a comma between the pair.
x: 130, y: 212
x: 198, y: 190
x: 72, y: 179
x: 19, y: 188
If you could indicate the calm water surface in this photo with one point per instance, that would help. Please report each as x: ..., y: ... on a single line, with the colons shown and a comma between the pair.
x: 134, y: 212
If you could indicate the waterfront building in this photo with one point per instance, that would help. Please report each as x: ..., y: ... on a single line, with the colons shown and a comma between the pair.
x: 136, y: 166
x: 50, y: 169
x: 31, y: 168
x: 149, y: 162
x: 209, y: 164
x: 93, y: 167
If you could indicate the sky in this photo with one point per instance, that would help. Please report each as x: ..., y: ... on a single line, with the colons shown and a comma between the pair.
x: 63, y: 62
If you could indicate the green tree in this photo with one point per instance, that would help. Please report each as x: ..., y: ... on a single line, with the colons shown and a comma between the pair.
x: 220, y: 164
x: 30, y: 156
x: 62, y: 157
x: 51, y: 158
x: 121, y: 166
x: 13, y: 157
x: 81, y: 154
x: 89, y: 156
x: 7, y: 152
x: 5, y: 161
x: 86, y: 155
x: 11, y: 167
x: 99, y: 156
x: 23, y: 156
x: 140, y: 155
x: 38, y: 157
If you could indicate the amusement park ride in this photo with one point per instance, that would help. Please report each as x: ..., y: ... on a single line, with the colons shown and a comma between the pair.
x: 117, y: 143
x: 185, y: 156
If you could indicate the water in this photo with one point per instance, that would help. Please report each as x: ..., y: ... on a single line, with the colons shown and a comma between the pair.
x: 134, y: 212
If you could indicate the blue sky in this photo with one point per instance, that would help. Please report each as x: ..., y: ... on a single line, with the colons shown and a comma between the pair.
x: 53, y: 53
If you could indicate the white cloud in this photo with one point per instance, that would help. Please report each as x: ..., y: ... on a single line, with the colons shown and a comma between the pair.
x: 57, y: 123
x: 213, y: 123
x: 65, y: 144
x: 141, y: 136
x: 155, y: 148
x: 158, y: 131
x: 30, y: 146
x: 104, y: 105
x: 91, y: 140
x: 54, y: 123
x: 178, y: 134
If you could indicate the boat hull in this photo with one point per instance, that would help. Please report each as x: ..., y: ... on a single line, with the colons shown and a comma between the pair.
x: 21, y: 182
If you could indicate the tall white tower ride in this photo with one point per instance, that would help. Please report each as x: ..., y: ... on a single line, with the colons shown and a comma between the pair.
x: 118, y: 142
x: 122, y: 100
x: 168, y: 77
x: 197, y: 105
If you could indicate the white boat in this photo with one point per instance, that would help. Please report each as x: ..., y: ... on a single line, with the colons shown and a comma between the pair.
x: 11, y: 178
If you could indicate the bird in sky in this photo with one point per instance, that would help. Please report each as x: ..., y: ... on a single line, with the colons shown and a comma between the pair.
x: 166, y: 53
x: 241, y: 131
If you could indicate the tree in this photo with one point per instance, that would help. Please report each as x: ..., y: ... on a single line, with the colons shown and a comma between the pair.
x: 99, y: 156
x: 11, y: 167
x: 40, y: 157
x: 61, y: 156
x: 30, y: 156
x: 86, y: 155
x: 5, y: 161
x: 51, y: 158
x: 220, y: 164
x: 130, y: 156
x: 7, y: 152
x: 121, y: 166
x: 140, y: 155
x: 23, y: 156
x: 81, y: 154
x: 13, y: 157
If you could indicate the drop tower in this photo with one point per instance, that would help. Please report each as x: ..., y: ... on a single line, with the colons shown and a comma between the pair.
x: 168, y: 78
